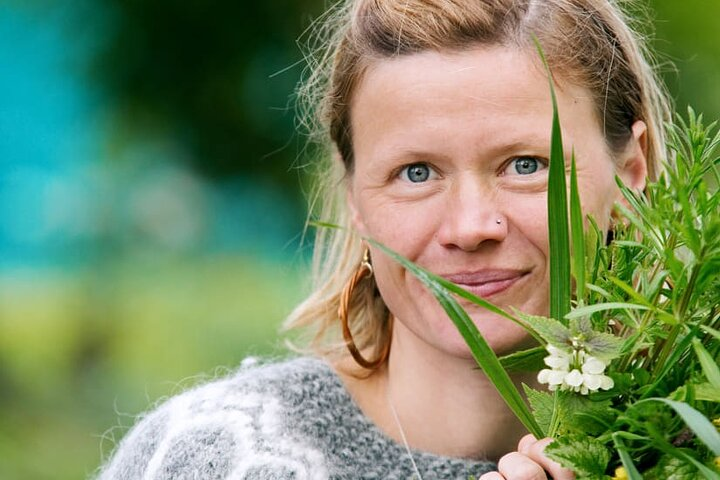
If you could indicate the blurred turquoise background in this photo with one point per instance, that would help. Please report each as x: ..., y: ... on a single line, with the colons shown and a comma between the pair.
x: 152, y: 206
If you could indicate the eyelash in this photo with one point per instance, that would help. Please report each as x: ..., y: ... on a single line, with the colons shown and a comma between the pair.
x: 402, y: 172
x: 543, y: 164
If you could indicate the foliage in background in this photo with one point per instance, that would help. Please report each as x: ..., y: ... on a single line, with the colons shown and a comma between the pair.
x: 202, y: 72
x: 83, y: 353
x: 216, y: 76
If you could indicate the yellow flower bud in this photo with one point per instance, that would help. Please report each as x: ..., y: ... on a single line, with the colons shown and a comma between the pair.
x: 620, y: 474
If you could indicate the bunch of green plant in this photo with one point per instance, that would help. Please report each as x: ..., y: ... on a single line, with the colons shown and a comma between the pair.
x: 632, y: 351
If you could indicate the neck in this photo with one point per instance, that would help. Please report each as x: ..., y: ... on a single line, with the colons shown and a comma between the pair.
x: 444, y: 404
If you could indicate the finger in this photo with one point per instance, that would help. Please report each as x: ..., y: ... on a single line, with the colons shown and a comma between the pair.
x: 535, y: 451
x: 526, y: 442
x: 492, y: 476
x: 516, y: 466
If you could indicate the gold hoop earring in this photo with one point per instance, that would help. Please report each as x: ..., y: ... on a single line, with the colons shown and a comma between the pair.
x: 364, y: 271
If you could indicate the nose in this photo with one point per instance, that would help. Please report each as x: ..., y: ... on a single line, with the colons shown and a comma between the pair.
x: 472, y: 216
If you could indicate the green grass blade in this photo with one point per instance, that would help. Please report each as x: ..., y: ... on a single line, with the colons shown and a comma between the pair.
x: 630, y: 468
x: 698, y: 423
x: 461, y: 292
x: 601, y: 307
x: 559, y: 235
x: 707, y: 362
x: 711, y: 331
x: 481, y: 351
x: 578, y: 235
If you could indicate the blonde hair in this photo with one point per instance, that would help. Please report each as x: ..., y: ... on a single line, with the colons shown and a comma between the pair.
x: 588, y: 43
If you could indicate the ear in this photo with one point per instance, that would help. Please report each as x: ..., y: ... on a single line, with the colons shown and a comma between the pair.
x: 632, y: 165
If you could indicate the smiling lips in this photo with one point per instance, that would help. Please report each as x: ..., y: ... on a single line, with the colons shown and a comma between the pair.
x: 486, y: 283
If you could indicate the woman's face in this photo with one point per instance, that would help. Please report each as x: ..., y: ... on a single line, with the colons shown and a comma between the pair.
x: 451, y: 153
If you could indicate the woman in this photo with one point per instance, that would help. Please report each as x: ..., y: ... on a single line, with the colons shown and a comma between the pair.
x: 438, y: 113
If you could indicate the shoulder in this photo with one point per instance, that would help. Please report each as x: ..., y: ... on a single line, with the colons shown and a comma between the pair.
x: 235, y: 427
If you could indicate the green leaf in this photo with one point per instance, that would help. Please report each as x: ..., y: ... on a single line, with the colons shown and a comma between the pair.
x: 630, y: 468
x: 604, y: 346
x: 552, y: 331
x: 530, y: 360
x: 584, y: 455
x: 559, y: 236
x: 481, y: 351
x: 543, y: 407
x: 680, y: 454
x: 706, y: 392
x: 321, y: 224
x: 578, y: 235
x: 581, y: 414
x: 701, y: 426
x: 672, y: 468
x: 711, y: 331
x: 601, y: 307
x: 709, y: 365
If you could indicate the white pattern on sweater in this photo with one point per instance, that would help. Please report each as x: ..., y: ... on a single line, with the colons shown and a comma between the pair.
x: 290, y: 420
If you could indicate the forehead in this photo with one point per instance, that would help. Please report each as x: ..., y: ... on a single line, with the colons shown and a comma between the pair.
x: 499, y: 94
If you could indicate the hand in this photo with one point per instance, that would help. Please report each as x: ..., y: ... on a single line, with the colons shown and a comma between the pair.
x: 529, y: 463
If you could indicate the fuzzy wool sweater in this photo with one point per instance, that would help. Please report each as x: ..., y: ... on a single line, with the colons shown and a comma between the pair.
x: 280, y: 421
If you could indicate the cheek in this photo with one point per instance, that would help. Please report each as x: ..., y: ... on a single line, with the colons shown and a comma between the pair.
x: 598, y: 193
x: 528, y: 216
x: 406, y: 229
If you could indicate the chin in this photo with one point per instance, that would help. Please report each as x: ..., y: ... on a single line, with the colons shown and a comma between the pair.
x: 503, y: 337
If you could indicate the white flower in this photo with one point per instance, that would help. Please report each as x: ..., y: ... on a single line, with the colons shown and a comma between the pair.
x: 558, y: 359
x: 574, y: 371
x: 593, y: 365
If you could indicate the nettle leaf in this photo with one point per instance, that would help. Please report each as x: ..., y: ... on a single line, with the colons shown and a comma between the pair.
x: 543, y: 405
x: 584, y: 455
x: 585, y: 415
x: 604, y: 346
x: 552, y: 331
x: 671, y: 468
x: 581, y: 325
x: 565, y: 412
x: 530, y: 360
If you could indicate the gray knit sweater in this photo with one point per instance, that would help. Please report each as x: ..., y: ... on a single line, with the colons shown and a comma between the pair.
x: 289, y: 420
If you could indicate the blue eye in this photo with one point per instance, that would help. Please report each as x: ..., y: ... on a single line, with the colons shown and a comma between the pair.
x: 526, y: 165
x: 416, y: 173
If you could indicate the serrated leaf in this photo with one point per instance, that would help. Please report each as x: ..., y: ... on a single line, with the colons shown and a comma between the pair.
x: 584, y: 455
x: 530, y: 360
x: 583, y: 415
x: 552, y: 331
x: 604, y: 346
x: 543, y: 406
x: 672, y: 468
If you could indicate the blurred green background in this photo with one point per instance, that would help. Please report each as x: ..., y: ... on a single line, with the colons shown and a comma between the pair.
x: 151, y: 202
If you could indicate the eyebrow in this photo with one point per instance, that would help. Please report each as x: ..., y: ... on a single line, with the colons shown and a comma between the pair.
x: 410, y: 153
